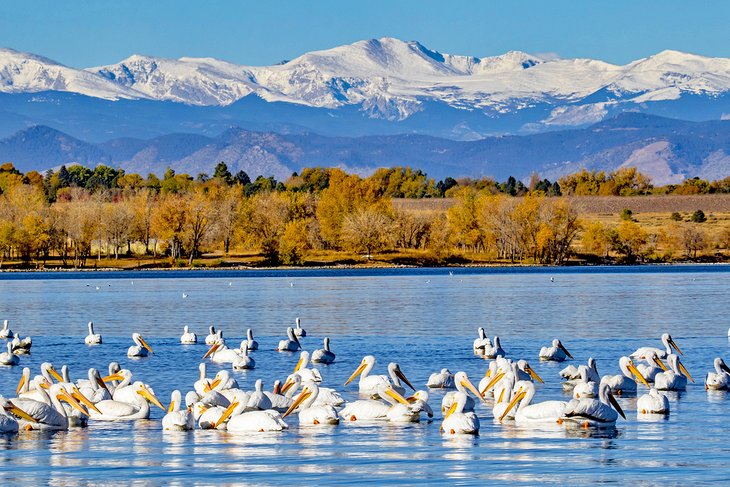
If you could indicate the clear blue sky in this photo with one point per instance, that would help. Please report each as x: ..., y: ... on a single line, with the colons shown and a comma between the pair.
x: 87, y: 33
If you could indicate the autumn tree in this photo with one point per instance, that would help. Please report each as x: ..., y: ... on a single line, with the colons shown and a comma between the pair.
x: 168, y: 221
x: 199, y: 212
x: 366, y: 230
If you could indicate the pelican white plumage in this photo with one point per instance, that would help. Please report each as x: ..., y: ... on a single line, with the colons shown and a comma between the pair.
x: 309, y: 412
x: 298, y: 330
x: 25, y: 391
x: 324, y: 355
x: 652, y: 367
x: 601, y: 412
x: 244, y: 361
x: 200, y: 385
x: 254, y: 421
x: 720, y: 379
x: 494, y: 350
x: 212, y: 336
x: 420, y: 399
x: 257, y: 400
x: 249, y: 343
x: 653, y: 402
x: 8, y: 424
x: 94, y: 388
x: 112, y: 370
x: 371, y: 409
x: 212, y: 417
x: 6, y: 333
x: 8, y: 358
x: 667, y: 341
x: 140, y: 347
x: 177, y: 419
x: 21, y: 346
x: 291, y: 344
x: 585, y: 387
x: 326, y: 395
x: 441, y: 380
x: 308, y: 375
x: 368, y: 384
x: 503, y: 392
x: 457, y: 421
x: 624, y: 383
x: 48, y: 415
x: 480, y: 342
x: 674, y: 379
x: 188, y: 337
x: 139, y: 408
x: 571, y: 374
x: 526, y: 372
x: 556, y: 353
x: 92, y: 338
x: 221, y: 354
x: 528, y: 413
x: 462, y: 384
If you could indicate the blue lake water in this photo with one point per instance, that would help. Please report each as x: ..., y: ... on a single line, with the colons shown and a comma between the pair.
x: 424, y: 319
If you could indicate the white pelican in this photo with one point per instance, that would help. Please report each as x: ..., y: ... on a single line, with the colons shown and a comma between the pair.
x: 401, y: 410
x: 298, y: 330
x: 324, y: 355
x: 112, y: 370
x: 585, y: 387
x: 624, y: 383
x: 202, y: 381
x: 291, y: 344
x: 652, y: 367
x: 503, y: 392
x: 139, y: 408
x: 309, y: 413
x: 253, y: 421
x: 212, y: 336
x: 571, y: 374
x: 674, y: 379
x: 48, y: 415
x: 221, y: 354
x: 188, y: 337
x: 212, y: 417
x: 667, y: 341
x: 528, y: 413
x: 94, y: 388
x: 491, y: 371
x: 526, y: 372
x: 494, y: 350
x: 257, y: 400
x: 556, y: 353
x: 308, y: 375
x: 720, y: 379
x: 140, y: 347
x: 177, y: 419
x: 462, y: 384
x: 9, y: 424
x: 249, y: 343
x: 419, y: 399
x: 24, y: 390
x: 6, y: 333
x: 369, y: 383
x: 21, y: 347
x: 458, y: 422
x: 223, y: 381
x: 92, y: 338
x: 9, y: 358
x: 123, y: 391
x: 243, y: 361
x: 480, y: 342
x: 370, y: 409
x: 653, y: 402
x: 279, y: 402
x: 325, y: 396
x: 441, y: 380
x: 591, y: 412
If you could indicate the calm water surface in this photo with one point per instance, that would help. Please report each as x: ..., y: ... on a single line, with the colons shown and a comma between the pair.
x: 424, y: 319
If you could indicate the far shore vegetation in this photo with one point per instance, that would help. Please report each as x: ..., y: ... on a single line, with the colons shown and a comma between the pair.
x: 81, y: 218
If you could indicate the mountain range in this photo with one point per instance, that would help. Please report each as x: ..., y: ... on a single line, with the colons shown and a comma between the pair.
x: 348, y: 105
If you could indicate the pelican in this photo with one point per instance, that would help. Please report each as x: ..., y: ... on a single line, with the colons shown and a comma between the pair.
x: 653, y: 402
x: 526, y: 372
x: 720, y: 379
x: 481, y: 342
x: 202, y: 381
x: 462, y: 384
x: 9, y: 358
x: 600, y: 413
x: 223, y: 381
x: 6, y: 333
x: 674, y: 379
x: 324, y: 355
x: 188, y: 337
x: 571, y: 374
x: 309, y: 413
x: 92, y: 338
x: 369, y: 383
x: 298, y: 330
x: 279, y: 402
x: 370, y: 409
x: 243, y: 361
x: 212, y: 336
x: 21, y: 347
x: 420, y: 400
x: 9, y: 424
x: 257, y: 400
x: 177, y: 419
x: 441, y: 380
x: 308, y: 375
x: 494, y: 350
x: 253, y: 421
x: 249, y: 343
x: 625, y: 383
x: 556, y: 353
x: 667, y: 341
x: 652, y: 367
x: 503, y: 393
x: 48, y: 415
x: 112, y: 370
x: 139, y: 408
x: 456, y: 421
x: 528, y: 413
x: 24, y: 391
x: 94, y: 388
x: 585, y: 387
x: 140, y: 347
x: 325, y: 396
x: 221, y: 354
x: 291, y: 344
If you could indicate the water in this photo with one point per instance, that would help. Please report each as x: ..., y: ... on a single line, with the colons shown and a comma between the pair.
x: 424, y: 319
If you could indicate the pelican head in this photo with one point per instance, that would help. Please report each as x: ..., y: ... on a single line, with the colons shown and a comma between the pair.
x: 461, y: 379
x: 367, y: 362
x: 668, y: 342
x: 394, y: 369
x: 137, y: 338
x: 558, y: 344
x: 146, y: 393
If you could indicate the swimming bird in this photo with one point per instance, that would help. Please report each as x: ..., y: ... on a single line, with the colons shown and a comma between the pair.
x: 601, y: 412
x: 720, y: 379
x: 221, y: 354
x: 324, y: 355
x: 441, y: 380
x: 667, y: 341
x: 456, y: 421
x: 188, y: 337
x: 291, y: 344
x: 140, y: 347
x: 200, y: 385
x: 138, y: 408
x: 494, y: 350
x: 298, y: 330
x: 177, y: 419
x: 556, y: 353
x: 21, y: 347
x: 244, y: 361
x: 480, y: 342
x: 526, y: 372
x: 462, y: 384
x: 624, y: 383
x: 652, y: 367
x: 371, y: 409
x: 309, y: 413
x: 95, y: 388
x: 528, y: 413
x: 420, y: 400
x: 369, y: 384
x: 257, y: 400
x: 674, y: 379
x: 49, y: 414
x: 249, y: 342
x: 653, y: 402
x: 9, y: 358
x: 92, y: 338
x: 8, y: 424
x: 571, y: 374
x: 585, y: 387
x: 326, y: 395
x: 6, y: 333
x: 308, y: 375
x: 252, y: 421
x: 212, y: 336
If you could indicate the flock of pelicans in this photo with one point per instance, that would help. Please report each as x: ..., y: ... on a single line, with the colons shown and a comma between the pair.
x: 52, y: 401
